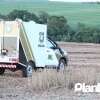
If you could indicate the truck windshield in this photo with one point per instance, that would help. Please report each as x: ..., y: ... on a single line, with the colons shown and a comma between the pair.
x: 50, y: 44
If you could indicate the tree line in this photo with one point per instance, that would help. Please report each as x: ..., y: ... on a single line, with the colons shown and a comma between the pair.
x: 58, y: 27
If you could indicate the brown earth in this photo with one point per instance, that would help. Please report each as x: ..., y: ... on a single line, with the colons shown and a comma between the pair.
x: 84, y: 66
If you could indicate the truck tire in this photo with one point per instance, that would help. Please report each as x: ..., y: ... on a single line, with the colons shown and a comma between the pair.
x: 27, y: 71
x: 61, y: 65
x: 33, y: 65
x: 2, y: 70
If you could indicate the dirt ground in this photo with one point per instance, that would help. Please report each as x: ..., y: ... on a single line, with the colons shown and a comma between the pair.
x: 84, y: 66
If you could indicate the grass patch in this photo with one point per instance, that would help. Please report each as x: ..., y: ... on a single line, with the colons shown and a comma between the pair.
x: 75, y: 12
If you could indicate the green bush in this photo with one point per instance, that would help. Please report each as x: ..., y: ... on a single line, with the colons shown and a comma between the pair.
x: 58, y: 27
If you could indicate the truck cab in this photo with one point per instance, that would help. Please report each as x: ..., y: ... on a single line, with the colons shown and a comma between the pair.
x: 61, y: 54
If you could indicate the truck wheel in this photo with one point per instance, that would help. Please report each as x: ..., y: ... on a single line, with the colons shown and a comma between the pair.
x: 27, y: 72
x: 33, y: 66
x: 61, y: 65
x: 2, y: 70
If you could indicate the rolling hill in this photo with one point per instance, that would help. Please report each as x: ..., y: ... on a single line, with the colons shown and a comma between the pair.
x: 23, y: 0
x: 74, y: 12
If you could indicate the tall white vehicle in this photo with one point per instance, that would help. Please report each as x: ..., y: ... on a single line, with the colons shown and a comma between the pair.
x: 25, y: 46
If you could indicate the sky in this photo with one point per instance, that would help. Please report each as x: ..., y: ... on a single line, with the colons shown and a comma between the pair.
x: 75, y: 0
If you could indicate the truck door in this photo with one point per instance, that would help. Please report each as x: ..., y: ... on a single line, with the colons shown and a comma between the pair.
x: 50, y: 54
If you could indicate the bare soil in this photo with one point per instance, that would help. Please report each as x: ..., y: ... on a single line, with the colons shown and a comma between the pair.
x: 84, y: 66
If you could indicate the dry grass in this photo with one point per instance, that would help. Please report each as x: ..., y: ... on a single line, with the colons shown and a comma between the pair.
x: 83, y: 67
x: 47, y: 79
x: 67, y: 79
x: 82, y: 75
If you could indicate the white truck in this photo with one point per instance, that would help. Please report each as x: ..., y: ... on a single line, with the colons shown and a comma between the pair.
x: 25, y: 46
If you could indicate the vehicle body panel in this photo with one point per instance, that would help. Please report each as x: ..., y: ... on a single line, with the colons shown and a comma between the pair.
x: 9, y: 41
x: 33, y: 40
x: 37, y: 35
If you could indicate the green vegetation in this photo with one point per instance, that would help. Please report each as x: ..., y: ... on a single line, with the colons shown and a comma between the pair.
x: 23, y: 0
x: 74, y: 12
x: 34, y: 7
x: 60, y: 30
x: 77, y: 12
x: 76, y: 22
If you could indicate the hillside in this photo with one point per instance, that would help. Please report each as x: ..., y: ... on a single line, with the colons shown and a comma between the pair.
x: 77, y: 12
x: 74, y: 12
x: 23, y: 0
